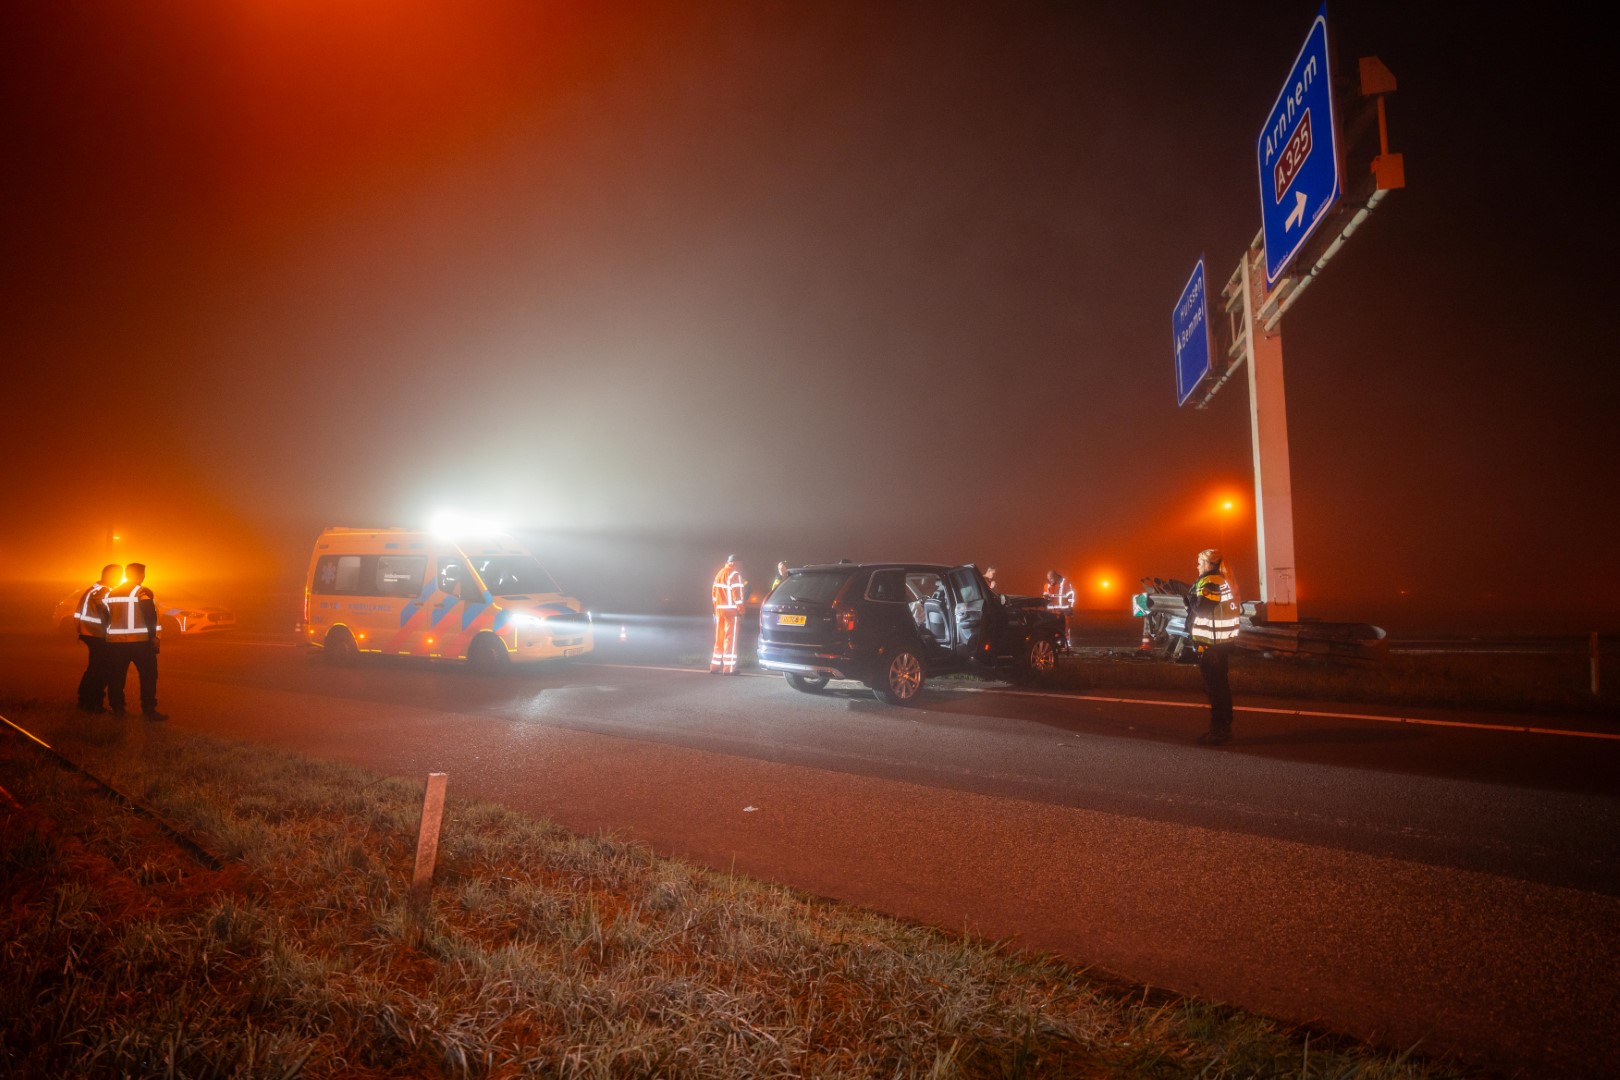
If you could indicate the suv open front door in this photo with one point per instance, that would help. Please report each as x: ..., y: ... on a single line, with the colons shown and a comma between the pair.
x: 972, y: 615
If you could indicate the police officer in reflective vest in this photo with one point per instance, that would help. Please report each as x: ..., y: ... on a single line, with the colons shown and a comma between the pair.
x: 728, y: 598
x: 1060, y: 599
x: 1212, y: 621
x: 90, y: 620
x: 132, y: 638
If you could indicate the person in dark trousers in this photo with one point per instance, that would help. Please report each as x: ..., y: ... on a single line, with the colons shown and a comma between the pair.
x: 90, y: 619
x: 132, y: 638
x: 1212, y: 621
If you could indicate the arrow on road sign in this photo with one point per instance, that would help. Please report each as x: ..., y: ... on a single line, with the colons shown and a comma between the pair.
x: 1297, y: 214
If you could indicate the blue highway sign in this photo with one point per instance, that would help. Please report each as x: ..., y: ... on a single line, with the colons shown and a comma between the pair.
x: 1190, y: 323
x: 1298, y: 154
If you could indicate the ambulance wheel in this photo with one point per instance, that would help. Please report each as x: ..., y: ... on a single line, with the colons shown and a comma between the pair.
x: 340, y: 648
x: 487, y: 655
x: 809, y: 684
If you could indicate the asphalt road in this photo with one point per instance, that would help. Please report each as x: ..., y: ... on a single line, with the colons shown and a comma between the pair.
x: 1450, y: 887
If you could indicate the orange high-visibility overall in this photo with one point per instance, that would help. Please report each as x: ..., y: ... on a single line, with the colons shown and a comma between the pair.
x: 727, y: 595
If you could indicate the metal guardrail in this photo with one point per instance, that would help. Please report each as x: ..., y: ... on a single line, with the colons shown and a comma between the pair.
x: 172, y: 831
x: 1162, y: 606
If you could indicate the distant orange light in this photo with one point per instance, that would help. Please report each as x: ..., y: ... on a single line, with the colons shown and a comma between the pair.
x: 1105, y: 583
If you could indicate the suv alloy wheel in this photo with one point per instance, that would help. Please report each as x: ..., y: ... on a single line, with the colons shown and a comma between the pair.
x: 902, y: 678
x: 1040, y: 659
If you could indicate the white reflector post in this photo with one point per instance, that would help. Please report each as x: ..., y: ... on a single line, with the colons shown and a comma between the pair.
x: 427, y: 856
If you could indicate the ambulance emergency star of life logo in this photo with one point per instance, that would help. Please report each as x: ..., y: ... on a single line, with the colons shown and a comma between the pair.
x: 328, y: 574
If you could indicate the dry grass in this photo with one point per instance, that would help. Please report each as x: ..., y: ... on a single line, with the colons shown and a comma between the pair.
x: 547, y: 953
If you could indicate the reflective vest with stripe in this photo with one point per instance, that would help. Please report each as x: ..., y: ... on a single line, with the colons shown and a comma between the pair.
x: 90, y: 616
x: 127, y: 615
x: 1060, y: 597
x: 727, y: 592
x: 1214, y: 611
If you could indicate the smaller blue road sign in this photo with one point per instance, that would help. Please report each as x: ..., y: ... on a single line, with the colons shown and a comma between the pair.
x: 1190, y: 324
x: 1298, y: 154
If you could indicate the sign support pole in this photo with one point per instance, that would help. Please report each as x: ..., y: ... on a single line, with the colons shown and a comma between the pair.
x: 1268, y: 426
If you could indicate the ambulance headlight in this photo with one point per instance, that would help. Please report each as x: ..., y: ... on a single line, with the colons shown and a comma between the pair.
x: 527, y: 622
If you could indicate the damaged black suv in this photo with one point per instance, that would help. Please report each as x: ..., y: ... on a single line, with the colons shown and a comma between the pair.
x: 892, y: 625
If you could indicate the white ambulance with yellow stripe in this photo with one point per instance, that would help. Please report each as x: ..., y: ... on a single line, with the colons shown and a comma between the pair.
x: 483, y: 599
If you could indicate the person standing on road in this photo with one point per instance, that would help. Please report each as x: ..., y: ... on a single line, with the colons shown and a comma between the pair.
x: 132, y: 638
x: 781, y: 575
x: 1060, y: 599
x: 728, y: 596
x: 990, y: 580
x: 90, y: 620
x: 1212, y: 620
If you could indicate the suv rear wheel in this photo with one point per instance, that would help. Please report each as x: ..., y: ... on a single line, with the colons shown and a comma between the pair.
x: 902, y: 678
x: 810, y: 684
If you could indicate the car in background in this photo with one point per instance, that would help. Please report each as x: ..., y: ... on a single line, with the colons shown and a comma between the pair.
x: 182, y: 618
x: 894, y: 625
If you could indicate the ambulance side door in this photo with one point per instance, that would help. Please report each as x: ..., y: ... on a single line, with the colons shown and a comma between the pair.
x: 441, y: 635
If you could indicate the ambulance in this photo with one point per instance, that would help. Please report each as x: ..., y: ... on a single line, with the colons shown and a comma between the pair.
x: 484, y: 599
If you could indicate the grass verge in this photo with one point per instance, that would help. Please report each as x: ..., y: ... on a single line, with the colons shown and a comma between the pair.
x: 546, y: 953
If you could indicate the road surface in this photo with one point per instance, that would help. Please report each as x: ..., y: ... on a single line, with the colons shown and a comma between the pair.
x: 1457, y: 888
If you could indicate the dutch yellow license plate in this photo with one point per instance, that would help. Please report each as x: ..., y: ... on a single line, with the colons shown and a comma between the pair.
x: 790, y: 620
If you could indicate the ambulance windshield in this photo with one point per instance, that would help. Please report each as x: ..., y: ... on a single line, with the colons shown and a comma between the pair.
x: 512, y: 575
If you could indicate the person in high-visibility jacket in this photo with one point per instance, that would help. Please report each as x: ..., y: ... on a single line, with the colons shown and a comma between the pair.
x: 1060, y: 598
x: 1212, y: 622
x: 132, y: 638
x: 729, y: 595
x: 90, y: 620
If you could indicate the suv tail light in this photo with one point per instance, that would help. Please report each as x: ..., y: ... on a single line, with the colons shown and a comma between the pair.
x: 846, y: 618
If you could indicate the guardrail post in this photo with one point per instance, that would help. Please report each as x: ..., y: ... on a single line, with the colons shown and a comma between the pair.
x: 427, y: 855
